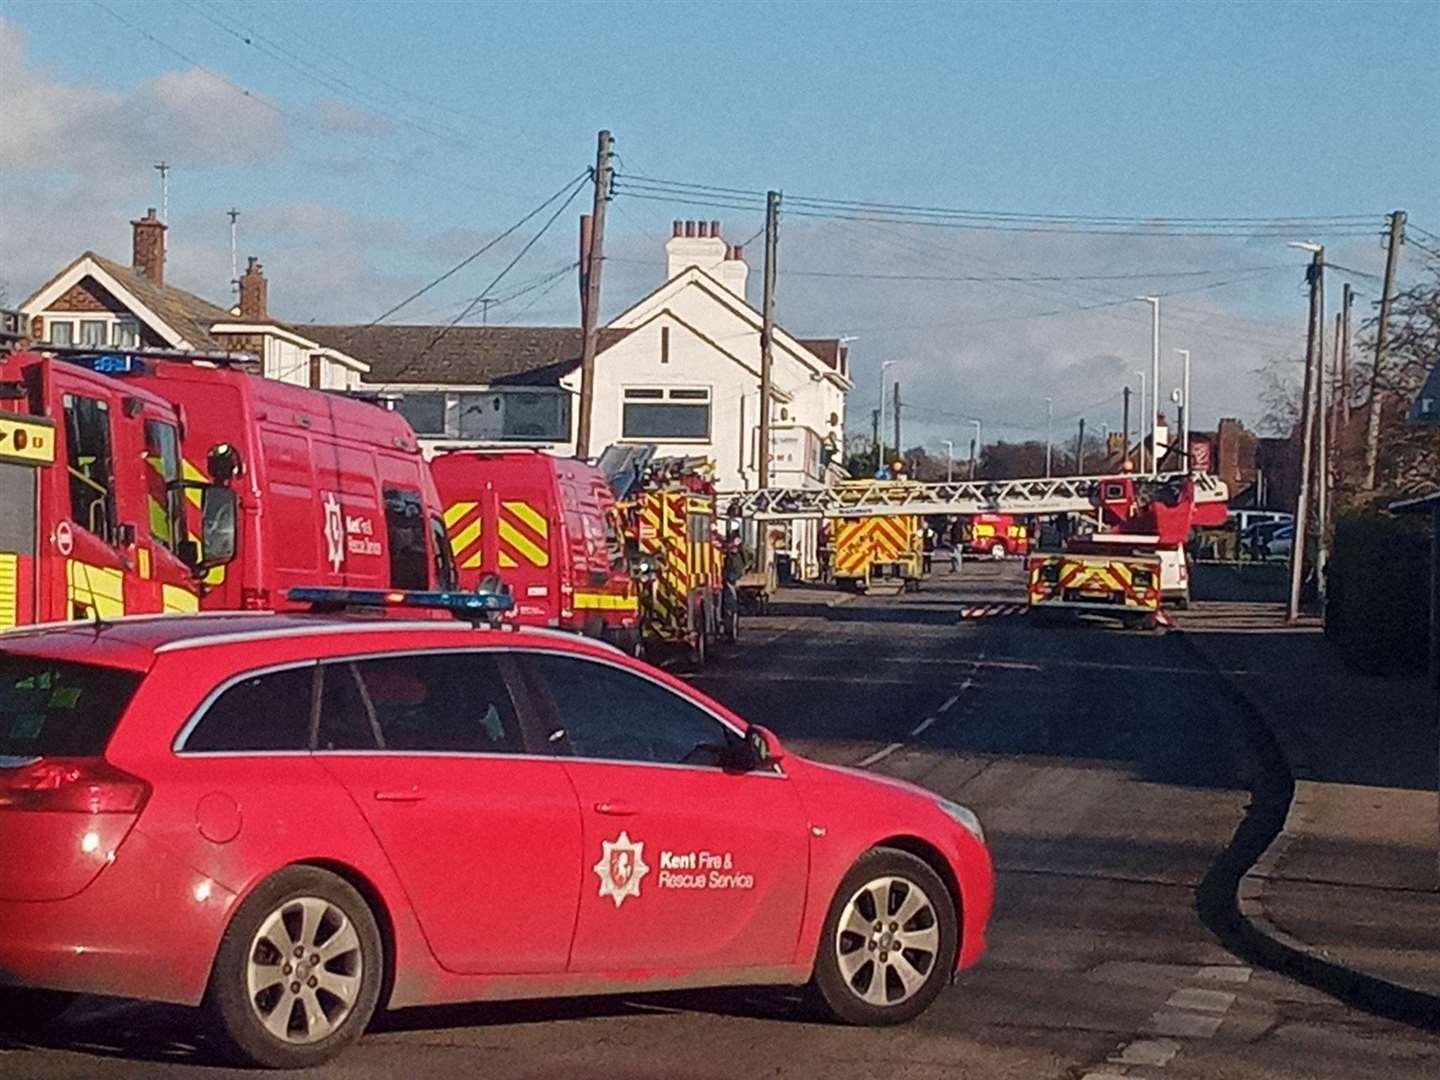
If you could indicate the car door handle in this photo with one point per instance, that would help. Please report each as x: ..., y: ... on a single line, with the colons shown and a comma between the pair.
x: 615, y: 808
x: 410, y: 794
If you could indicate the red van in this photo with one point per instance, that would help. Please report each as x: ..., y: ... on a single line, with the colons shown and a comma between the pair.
x: 548, y: 527
x: 331, y: 491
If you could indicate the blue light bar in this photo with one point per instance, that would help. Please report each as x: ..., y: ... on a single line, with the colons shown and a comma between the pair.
x: 463, y: 605
x: 115, y: 364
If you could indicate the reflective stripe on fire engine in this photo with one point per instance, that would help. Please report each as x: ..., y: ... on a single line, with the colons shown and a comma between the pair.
x: 9, y: 590
x: 464, y: 535
x: 604, y: 602
x: 1094, y: 577
x: 27, y: 441
x: 524, y: 532
x: 860, y: 542
x: 177, y: 600
x: 97, y: 590
x: 193, y: 495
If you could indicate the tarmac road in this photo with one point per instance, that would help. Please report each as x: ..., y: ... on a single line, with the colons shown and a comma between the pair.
x: 1111, y: 773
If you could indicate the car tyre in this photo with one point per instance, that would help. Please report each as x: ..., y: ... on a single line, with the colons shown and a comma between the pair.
x: 857, y: 934
x: 257, y: 1016
x: 25, y: 1010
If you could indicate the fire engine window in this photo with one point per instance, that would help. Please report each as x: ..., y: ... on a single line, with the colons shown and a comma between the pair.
x: 614, y: 545
x: 258, y: 713
x: 405, y: 528
x: 452, y: 702
x: 164, y: 498
x: 445, y: 576
x: 92, y: 468
x: 594, y: 710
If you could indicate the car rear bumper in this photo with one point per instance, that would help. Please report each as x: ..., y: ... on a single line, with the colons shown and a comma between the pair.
x: 146, y: 927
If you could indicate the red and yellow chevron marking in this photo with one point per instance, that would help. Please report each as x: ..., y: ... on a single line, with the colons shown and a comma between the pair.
x: 859, y: 542
x: 1099, y: 576
x: 524, y: 535
x: 463, y: 528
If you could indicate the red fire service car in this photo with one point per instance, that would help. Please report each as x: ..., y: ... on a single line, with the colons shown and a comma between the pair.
x: 290, y: 820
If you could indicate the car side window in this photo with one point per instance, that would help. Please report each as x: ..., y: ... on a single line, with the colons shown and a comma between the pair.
x: 595, y: 710
x: 452, y: 702
x: 265, y: 712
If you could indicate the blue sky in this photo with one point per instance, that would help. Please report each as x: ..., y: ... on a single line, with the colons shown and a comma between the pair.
x: 422, y: 129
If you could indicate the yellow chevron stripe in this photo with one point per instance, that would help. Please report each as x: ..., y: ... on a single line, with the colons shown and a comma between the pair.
x: 527, y: 548
x: 191, y: 473
x: 461, y: 541
x: 506, y: 562
x: 604, y: 602
x: 455, y: 511
x: 529, y: 515
x: 177, y: 601
x: 98, y: 589
x: 9, y: 590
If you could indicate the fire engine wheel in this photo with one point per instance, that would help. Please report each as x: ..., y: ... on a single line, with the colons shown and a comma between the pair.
x: 889, y: 941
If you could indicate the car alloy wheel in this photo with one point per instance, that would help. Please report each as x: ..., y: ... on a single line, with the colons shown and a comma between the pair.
x: 889, y: 940
x: 305, y: 970
x: 298, y: 972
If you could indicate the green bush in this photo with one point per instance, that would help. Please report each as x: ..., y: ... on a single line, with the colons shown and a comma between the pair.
x: 1378, y: 597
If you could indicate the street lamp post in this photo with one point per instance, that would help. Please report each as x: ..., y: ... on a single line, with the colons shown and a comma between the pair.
x: 1140, y: 422
x: 974, y: 448
x: 949, y: 459
x: 1049, y: 432
x: 1154, y: 302
x: 1185, y: 416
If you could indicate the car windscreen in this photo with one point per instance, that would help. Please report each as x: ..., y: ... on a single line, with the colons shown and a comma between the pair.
x: 58, y: 708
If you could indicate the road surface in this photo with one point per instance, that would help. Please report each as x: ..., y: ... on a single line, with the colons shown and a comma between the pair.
x: 1111, y: 772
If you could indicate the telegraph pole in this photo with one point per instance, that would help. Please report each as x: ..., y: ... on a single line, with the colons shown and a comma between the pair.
x: 896, y: 397
x: 875, y: 427
x: 1049, y: 432
x: 1307, y: 437
x: 1322, y: 446
x: 1125, y: 453
x: 590, y: 309
x: 767, y: 328
x: 1348, y: 303
x: 1080, y: 450
x: 1382, y: 327
x: 234, y: 216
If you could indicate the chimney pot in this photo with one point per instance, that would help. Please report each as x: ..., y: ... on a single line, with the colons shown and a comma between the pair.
x: 702, y: 228
x: 677, y: 228
x: 739, y: 252
x: 148, y: 247
x: 689, y: 228
x: 715, y: 229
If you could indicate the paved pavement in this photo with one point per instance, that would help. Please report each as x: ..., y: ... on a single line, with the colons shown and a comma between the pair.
x: 1114, y: 775
x: 1348, y: 887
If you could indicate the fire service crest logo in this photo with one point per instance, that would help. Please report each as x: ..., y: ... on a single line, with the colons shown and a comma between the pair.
x: 334, y: 532
x: 621, y: 868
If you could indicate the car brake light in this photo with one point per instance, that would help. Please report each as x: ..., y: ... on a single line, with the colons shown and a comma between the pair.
x: 73, y: 785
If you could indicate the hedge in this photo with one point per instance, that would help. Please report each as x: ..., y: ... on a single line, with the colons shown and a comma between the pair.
x: 1377, y: 608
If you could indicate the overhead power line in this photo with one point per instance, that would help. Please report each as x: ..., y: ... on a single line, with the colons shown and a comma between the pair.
x: 574, y: 183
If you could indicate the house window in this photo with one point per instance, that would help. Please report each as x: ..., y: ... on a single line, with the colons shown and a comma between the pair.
x: 62, y: 332
x: 127, y: 334
x: 94, y: 331
x: 669, y: 414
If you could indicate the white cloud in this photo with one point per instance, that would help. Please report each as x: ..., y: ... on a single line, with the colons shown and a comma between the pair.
x: 191, y: 118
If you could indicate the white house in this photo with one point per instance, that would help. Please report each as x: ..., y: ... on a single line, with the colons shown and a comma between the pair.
x: 97, y: 302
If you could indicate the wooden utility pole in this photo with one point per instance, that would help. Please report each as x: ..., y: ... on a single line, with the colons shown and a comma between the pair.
x: 1080, y: 450
x: 590, y: 309
x: 896, y: 397
x: 1307, y: 441
x: 875, y: 426
x: 1382, y: 328
x: 1345, y: 306
x: 1125, y: 426
x: 1322, y: 448
x: 767, y: 329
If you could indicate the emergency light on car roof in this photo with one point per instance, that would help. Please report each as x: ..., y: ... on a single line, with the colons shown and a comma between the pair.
x: 486, y: 604
x: 112, y: 364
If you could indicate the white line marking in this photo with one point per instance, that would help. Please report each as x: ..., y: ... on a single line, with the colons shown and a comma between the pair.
x: 949, y: 702
x: 879, y: 755
x: 1157, y: 1052
x: 923, y: 725
x: 1197, y: 1000
x: 1185, y: 1025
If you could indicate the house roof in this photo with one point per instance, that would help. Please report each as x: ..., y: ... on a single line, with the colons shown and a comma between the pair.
x: 184, y: 312
x: 464, y: 355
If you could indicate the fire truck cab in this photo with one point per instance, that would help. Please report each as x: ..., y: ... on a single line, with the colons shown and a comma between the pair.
x: 91, y: 483
x: 997, y: 535
x: 549, y: 527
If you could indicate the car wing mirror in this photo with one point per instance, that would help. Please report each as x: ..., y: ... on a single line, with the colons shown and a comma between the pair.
x: 764, y: 747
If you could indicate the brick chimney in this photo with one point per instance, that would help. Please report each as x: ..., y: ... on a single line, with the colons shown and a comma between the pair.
x: 700, y: 244
x: 148, y: 248
x: 253, y: 290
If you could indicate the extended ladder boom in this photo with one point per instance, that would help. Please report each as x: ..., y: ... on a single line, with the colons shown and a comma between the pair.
x: 852, y: 499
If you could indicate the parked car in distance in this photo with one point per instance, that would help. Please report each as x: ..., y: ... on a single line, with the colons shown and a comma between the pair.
x: 291, y: 820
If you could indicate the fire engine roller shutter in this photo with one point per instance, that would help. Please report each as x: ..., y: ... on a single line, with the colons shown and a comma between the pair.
x: 17, y: 534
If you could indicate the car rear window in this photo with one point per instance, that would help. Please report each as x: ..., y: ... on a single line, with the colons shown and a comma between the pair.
x: 56, y: 708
